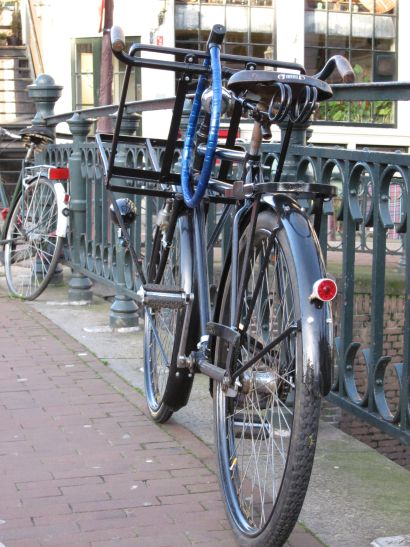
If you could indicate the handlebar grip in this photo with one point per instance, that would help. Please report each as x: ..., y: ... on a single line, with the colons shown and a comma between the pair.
x: 117, y: 39
x: 344, y: 69
x: 217, y: 35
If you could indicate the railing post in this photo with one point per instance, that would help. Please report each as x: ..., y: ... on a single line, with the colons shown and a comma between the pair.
x: 123, y: 311
x: 298, y: 137
x: 44, y: 93
x: 79, y: 285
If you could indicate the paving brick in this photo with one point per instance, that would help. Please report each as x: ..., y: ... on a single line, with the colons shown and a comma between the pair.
x: 81, y: 462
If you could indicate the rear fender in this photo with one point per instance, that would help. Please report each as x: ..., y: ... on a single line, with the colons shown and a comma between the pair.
x: 62, y: 207
x: 316, y: 318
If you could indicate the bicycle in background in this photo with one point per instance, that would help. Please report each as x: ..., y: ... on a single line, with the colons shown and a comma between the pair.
x: 267, y: 343
x: 36, y: 221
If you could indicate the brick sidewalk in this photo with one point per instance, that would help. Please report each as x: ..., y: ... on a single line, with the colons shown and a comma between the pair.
x: 81, y: 463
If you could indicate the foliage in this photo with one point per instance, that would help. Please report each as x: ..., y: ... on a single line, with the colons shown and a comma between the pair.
x: 358, y: 111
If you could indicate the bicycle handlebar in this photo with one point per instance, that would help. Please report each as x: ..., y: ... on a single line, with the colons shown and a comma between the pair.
x: 5, y: 133
x: 129, y: 58
x: 117, y: 39
x: 342, y: 67
x: 216, y: 37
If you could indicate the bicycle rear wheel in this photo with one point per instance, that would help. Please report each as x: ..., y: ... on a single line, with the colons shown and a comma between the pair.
x: 167, y: 388
x: 33, y: 248
x: 266, y: 434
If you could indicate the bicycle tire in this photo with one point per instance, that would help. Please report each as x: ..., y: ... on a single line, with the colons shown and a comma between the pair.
x: 33, y: 250
x: 266, y: 434
x: 167, y: 387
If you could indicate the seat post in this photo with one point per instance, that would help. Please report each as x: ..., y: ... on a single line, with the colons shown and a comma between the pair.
x: 256, y: 139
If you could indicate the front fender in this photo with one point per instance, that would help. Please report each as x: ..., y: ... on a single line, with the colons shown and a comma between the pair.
x: 316, y: 318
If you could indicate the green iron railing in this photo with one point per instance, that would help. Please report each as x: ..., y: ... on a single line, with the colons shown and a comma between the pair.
x: 370, y: 220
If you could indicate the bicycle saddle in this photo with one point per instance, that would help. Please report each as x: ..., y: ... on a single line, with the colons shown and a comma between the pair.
x: 264, y: 83
x: 37, y: 135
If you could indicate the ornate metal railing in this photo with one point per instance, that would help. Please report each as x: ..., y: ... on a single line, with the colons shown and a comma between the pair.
x: 367, y: 223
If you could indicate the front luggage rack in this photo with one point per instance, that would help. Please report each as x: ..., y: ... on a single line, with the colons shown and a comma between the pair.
x: 148, y: 181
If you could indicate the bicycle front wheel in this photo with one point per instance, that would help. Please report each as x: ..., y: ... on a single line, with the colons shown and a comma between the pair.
x: 33, y: 248
x: 167, y: 388
x: 266, y: 434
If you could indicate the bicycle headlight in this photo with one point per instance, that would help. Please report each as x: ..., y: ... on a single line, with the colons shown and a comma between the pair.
x: 128, y: 211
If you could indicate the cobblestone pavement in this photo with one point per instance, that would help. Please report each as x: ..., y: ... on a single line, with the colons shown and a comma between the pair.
x: 81, y: 463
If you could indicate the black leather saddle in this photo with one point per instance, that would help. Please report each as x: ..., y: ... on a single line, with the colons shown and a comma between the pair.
x: 38, y: 135
x: 264, y: 84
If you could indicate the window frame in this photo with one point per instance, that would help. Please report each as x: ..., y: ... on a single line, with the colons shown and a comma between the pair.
x: 96, y: 48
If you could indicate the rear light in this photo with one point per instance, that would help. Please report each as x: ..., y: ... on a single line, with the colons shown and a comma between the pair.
x: 4, y: 213
x: 324, y: 289
x: 58, y: 173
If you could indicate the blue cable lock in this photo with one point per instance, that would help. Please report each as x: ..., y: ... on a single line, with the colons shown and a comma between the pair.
x: 192, y: 200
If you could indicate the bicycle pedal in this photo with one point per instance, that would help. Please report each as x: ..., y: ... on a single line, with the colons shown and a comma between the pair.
x: 228, y: 334
x: 162, y: 296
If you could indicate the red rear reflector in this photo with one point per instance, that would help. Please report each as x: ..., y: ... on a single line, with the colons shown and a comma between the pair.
x: 67, y: 198
x: 58, y: 173
x: 4, y: 213
x: 324, y: 289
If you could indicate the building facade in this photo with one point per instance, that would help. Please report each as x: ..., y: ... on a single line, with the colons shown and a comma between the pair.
x: 370, y: 33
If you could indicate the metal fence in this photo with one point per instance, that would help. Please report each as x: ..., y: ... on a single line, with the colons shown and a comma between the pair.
x: 368, y: 218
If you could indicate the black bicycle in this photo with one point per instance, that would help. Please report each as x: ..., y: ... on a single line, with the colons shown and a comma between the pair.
x: 266, y: 343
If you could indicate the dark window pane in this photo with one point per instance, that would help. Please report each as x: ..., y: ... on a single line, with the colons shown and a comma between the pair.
x: 362, y: 29
x: 262, y: 51
x: 362, y: 65
x: 315, y: 58
x: 237, y: 37
x: 261, y: 37
x: 384, y: 69
x: 338, y: 29
x: 385, y: 33
x: 315, y: 28
x: 313, y: 4
x: 360, y: 43
x: 187, y: 17
x: 186, y: 35
x: 261, y: 2
x: 236, y: 49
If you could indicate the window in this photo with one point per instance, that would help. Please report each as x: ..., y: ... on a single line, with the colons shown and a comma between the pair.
x: 250, y: 25
x: 364, y: 31
x: 86, y: 61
